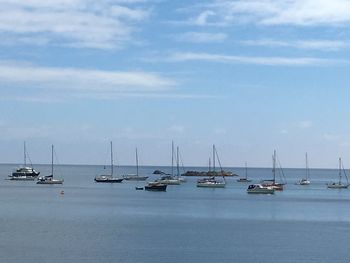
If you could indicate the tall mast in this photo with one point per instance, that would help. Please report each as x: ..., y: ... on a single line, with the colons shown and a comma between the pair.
x: 339, y: 170
x: 214, y: 158
x: 307, y: 167
x: 137, y: 164
x: 52, y: 160
x: 172, y: 158
x: 111, y: 158
x: 209, y: 164
x: 25, y: 154
x: 274, y: 166
x: 177, y: 161
x: 246, y: 170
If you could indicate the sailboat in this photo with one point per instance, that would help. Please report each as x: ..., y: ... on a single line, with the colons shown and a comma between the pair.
x: 212, y: 182
x: 109, y: 178
x: 135, y: 177
x: 49, y: 178
x: 170, y: 179
x: 340, y: 184
x: 305, y: 181
x: 24, y: 173
x: 272, y: 183
x: 245, y: 179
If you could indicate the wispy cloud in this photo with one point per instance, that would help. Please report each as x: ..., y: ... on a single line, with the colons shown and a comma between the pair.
x: 46, y: 81
x: 77, y: 23
x: 269, y: 61
x: 277, y: 12
x: 323, y: 45
x: 199, y: 37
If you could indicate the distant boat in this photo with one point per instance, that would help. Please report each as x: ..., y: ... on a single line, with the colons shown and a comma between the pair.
x: 109, y: 178
x: 212, y: 182
x: 135, y: 177
x: 272, y: 183
x: 170, y: 179
x: 155, y: 186
x: 305, y: 181
x: 260, y: 189
x: 49, y: 179
x: 25, y: 173
x: 244, y: 179
x: 178, y: 175
x: 340, y: 184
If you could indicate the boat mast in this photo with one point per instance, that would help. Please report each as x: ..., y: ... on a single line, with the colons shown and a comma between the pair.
x: 246, y: 171
x: 52, y: 160
x: 172, y: 158
x: 177, y: 162
x: 339, y: 170
x: 24, y: 153
x: 137, y: 163
x: 214, y: 158
x: 111, y: 158
x: 209, y: 164
x: 307, y: 167
x: 274, y: 166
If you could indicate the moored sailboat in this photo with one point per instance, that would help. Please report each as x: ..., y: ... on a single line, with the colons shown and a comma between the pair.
x: 135, y: 177
x: 244, y: 179
x: 109, y: 178
x: 49, y: 179
x: 212, y: 182
x: 272, y: 183
x: 340, y: 184
x: 305, y: 181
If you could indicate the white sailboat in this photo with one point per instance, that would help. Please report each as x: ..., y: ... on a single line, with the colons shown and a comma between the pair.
x: 49, y: 179
x: 212, y: 182
x: 135, y: 177
x: 340, y: 184
x: 260, y: 189
x: 109, y: 178
x: 305, y: 181
x: 170, y: 179
x: 272, y: 183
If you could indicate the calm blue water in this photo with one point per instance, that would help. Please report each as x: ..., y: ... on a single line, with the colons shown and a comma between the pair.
x: 115, y: 223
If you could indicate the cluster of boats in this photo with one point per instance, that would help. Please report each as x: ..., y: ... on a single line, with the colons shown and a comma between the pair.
x: 210, y: 179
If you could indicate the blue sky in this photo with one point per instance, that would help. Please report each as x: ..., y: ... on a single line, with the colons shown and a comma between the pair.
x: 248, y: 76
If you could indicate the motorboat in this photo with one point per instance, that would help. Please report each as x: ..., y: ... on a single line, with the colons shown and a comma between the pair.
x: 155, y: 186
x: 260, y: 189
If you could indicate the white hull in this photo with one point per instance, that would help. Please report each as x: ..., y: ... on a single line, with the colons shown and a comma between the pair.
x: 303, y: 182
x: 53, y: 181
x: 135, y: 178
x: 169, y: 181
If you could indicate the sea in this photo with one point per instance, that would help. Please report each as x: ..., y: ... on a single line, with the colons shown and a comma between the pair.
x: 94, y: 222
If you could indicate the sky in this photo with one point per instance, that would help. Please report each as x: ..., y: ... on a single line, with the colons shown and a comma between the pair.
x: 248, y: 76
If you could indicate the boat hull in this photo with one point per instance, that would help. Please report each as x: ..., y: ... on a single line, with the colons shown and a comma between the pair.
x: 135, y: 178
x: 337, y: 186
x: 108, y: 179
x: 211, y: 185
x: 156, y: 187
x: 50, y: 182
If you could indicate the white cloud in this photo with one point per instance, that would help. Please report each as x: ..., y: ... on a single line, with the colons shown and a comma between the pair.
x: 269, y: 61
x: 31, y: 80
x: 277, y: 12
x: 324, y: 45
x: 198, y: 37
x: 77, y: 23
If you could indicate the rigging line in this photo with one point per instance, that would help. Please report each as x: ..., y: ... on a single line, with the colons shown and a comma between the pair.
x: 217, y: 156
x: 346, y: 176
